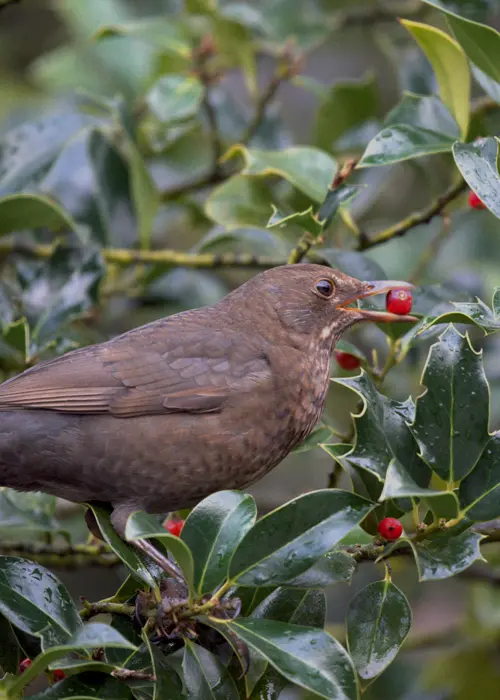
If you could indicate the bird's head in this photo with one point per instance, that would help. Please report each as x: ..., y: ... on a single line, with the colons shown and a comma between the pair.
x: 313, y: 301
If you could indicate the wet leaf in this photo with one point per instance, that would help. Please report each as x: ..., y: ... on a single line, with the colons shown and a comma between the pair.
x: 318, y: 436
x: 446, y: 553
x: 450, y: 437
x: 36, y: 602
x: 205, y: 676
x: 239, y: 202
x: 212, y: 531
x: 10, y: 651
x: 333, y: 567
x: 382, y: 433
x: 378, y: 621
x: 403, y: 142
x: 423, y: 112
x: 308, y: 169
x: 480, y: 42
x: 174, y: 98
x: 288, y: 541
x: 86, y: 687
x: 450, y: 66
x: 306, y: 220
x: 306, y: 656
x: 25, y: 211
x: 141, y: 525
x: 142, y: 570
x: 479, y: 492
x: 33, y: 511
x: 478, y: 163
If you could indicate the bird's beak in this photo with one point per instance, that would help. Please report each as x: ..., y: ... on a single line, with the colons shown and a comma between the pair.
x: 369, y: 289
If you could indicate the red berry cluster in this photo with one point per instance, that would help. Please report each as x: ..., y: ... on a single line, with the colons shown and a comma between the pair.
x: 390, y: 529
x: 174, y: 527
x: 475, y: 202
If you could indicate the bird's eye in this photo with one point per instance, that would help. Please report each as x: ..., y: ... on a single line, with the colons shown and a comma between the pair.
x: 324, y: 288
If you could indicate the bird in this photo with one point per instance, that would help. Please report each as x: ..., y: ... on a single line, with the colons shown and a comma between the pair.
x: 208, y: 399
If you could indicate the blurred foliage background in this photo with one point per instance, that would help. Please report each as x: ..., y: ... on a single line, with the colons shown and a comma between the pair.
x: 78, y: 89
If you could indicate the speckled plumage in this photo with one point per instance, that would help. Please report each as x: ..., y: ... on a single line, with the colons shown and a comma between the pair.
x: 162, y: 416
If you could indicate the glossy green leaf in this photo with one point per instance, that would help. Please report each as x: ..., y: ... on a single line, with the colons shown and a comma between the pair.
x: 306, y: 220
x: 298, y: 607
x: 168, y: 685
x: 205, y: 676
x: 175, y: 98
x: 480, y: 42
x: 288, y: 541
x: 318, y: 436
x: 306, y: 656
x: 28, y: 511
x: 243, y: 241
x: 269, y: 686
x: 450, y: 66
x: 142, y: 570
x: 145, y: 195
x: 36, y: 602
x: 335, y: 198
x: 478, y: 163
x: 450, y: 437
x: 382, y: 433
x: 423, y: 112
x: 333, y: 567
x: 28, y: 150
x: 476, y: 313
x: 61, y: 289
x: 479, y: 492
x: 141, y: 525
x: 378, y: 621
x: 212, y: 531
x: 239, y: 202
x: 24, y: 211
x: 399, y: 484
x: 446, y: 553
x: 403, y: 142
x: 166, y: 35
x: 89, y: 637
x: 347, y: 104
x: 308, y: 169
x: 490, y: 86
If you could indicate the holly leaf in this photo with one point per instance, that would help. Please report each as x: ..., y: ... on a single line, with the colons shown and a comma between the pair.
x: 479, y: 492
x: 478, y: 164
x: 308, y: 169
x: 378, y: 621
x: 290, y: 539
x: 450, y: 436
x: 212, y: 531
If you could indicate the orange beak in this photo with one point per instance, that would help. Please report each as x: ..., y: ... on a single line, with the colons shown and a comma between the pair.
x: 369, y: 289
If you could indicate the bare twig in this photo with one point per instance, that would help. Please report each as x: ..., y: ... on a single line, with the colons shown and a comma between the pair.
x: 166, y: 257
x: 421, y: 217
x: 307, y: 240
x: 104, y: 608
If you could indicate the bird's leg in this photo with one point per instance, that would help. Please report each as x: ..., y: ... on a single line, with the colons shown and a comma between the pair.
x: 119, y: 518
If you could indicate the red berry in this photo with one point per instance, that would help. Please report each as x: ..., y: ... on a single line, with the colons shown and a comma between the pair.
x: 390, y: 528
x: 58, y: 675
x: 25, y: 663
x: 174, y: 527
x: 475, y: 202
x: 399, y: 301
x: 346, y: 360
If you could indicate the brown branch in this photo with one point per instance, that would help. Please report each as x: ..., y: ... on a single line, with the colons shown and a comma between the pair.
x: 62, y: 557
x: 421, y: 217
x: 165, y: 257
x: 105, y: 608
x: 308, y: 240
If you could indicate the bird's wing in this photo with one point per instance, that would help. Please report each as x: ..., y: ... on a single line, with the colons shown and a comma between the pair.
x: 157, y: 370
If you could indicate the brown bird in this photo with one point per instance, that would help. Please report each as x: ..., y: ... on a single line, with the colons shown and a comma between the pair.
x: 165, y: 414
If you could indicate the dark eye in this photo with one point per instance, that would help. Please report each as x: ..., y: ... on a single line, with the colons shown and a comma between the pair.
x: 325, y: 288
